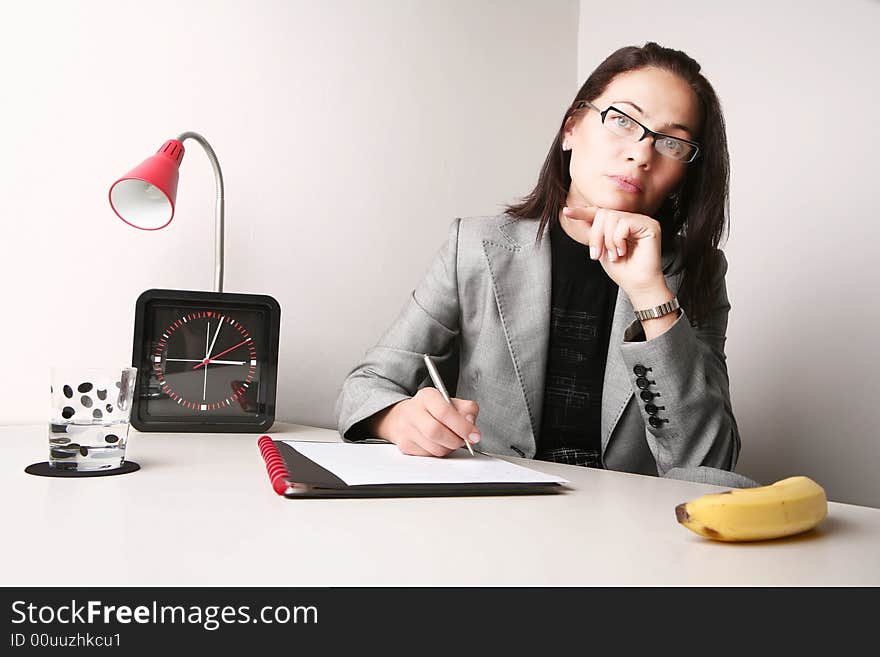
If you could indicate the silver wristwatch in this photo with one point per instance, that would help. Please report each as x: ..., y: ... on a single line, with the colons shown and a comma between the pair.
x: 659, y: 311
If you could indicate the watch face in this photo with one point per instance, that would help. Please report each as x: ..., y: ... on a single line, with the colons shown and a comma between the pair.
x: 207, y: 361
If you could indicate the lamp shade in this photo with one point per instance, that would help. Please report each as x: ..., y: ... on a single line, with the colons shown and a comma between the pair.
x: 145, y: 196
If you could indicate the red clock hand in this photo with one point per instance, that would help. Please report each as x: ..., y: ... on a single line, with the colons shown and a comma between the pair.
x: 208, y: 360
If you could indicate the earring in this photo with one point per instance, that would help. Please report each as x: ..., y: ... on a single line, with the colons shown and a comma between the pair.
x: 565, y: 146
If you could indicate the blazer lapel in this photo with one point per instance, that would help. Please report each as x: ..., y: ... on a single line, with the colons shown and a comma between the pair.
x: 616, y: 389
x: 520, y: 272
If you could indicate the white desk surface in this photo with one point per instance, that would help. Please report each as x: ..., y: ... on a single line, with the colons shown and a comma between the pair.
x: 201, y: 512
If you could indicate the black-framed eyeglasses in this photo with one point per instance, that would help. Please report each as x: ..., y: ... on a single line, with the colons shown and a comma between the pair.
x: 623, y: 125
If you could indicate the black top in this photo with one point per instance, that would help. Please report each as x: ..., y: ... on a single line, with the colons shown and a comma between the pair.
x: 582, y: 304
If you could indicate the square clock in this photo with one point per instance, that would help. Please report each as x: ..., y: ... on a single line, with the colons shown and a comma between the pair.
x: 207, y: 361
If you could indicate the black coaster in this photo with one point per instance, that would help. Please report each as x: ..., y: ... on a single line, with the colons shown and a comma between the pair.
x: 43, y: 470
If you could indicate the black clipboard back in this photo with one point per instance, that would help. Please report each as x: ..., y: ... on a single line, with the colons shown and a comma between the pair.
x: 310, y: 480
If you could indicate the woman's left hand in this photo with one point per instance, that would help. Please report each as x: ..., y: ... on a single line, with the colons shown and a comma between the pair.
x: 627, y: 245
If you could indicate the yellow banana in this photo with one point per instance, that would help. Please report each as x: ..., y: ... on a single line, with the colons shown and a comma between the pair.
x: 789, y: 506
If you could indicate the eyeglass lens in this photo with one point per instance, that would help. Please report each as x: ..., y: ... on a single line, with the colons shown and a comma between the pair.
x: 624, y: 126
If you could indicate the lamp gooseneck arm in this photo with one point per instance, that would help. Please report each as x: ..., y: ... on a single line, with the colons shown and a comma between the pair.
x: 218, y: 210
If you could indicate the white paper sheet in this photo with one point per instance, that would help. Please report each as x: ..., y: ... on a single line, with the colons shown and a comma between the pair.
x: 359, y: 464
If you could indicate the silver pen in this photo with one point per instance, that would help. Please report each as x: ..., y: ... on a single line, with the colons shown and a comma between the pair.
x: 438, y: 383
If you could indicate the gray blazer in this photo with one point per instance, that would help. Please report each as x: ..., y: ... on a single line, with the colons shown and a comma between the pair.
x: 482, y: 310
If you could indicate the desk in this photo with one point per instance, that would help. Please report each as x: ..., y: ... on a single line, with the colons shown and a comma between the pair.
x: 201, y: 512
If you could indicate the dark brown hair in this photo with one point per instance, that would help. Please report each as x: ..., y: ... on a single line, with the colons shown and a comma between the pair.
x: 698, y: 212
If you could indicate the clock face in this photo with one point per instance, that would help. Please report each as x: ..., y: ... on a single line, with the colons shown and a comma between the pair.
x: 205, y: 363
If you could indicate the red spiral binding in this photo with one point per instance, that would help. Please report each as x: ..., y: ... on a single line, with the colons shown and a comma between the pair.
x: 278, y: 473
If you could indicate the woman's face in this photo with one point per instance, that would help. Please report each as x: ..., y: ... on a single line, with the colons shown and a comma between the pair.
x: 660, y: 100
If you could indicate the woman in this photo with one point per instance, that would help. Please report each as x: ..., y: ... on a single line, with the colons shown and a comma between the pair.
x: 531, y: 314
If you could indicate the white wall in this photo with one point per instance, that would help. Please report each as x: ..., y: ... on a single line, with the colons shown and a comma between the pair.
x: 799, y: 87
x: 350, y: 134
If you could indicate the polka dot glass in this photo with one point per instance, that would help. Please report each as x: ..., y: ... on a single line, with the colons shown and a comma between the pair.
x: 89, y: 417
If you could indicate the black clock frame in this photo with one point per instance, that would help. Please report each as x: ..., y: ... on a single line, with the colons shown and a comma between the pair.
x: 263, y: 420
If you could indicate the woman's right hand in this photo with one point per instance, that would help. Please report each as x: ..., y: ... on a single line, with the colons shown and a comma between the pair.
x: 425, y: 425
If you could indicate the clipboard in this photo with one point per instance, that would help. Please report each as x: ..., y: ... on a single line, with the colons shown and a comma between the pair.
x: 296, y: 476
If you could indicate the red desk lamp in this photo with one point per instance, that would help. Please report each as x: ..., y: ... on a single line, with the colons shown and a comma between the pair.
x: 145, y: 196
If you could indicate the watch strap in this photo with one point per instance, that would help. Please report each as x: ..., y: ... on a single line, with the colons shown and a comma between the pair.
x: 658, y: 311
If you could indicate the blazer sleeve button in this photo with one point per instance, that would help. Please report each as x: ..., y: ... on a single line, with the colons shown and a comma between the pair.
x: 640, y: 370
x: 657, y: 422
x: 643, y: 383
